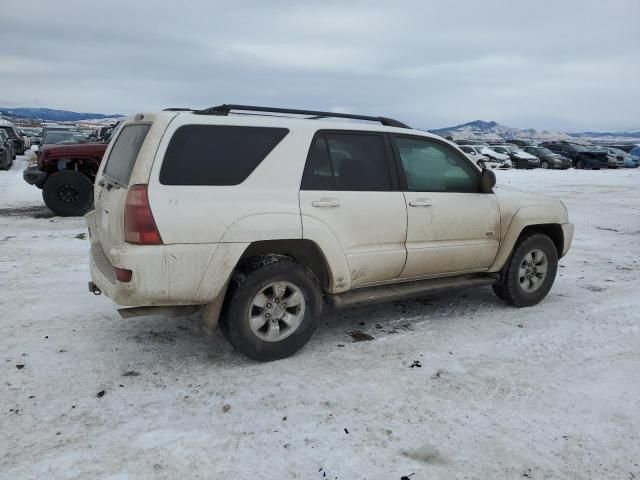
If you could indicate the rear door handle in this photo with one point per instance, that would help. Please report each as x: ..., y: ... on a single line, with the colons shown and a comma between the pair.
x: 326, y: 203
x: 420, y: 202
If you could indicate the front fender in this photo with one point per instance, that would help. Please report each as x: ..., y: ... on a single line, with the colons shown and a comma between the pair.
x: 521, y: 219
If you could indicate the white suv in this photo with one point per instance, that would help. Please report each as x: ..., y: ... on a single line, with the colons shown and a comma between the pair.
x: 262, y: 216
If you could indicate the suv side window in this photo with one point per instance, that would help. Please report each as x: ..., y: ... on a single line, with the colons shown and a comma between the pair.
x: 216, y: 154
x: 430, y: 166
x: 347, y: 162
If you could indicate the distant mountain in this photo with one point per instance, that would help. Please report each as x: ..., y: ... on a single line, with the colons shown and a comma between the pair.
x: 51, y: 115
x: 492, y: 131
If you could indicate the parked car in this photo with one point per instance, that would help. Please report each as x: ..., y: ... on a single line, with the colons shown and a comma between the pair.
x: 492, y: 154
x: 7, y: 153
x: 581, y: 156
x: 66, y: 173
x: 635, y: 151
x: 34, y: 134
x: 480, y: 160
x: 627, y: 160
x: 613, y: 161
x: 14, y: 135
x: 265, y: 218
x: 625, y: 147
x: 547, y: 158
x: 519, y: 158
x: 519, y: 143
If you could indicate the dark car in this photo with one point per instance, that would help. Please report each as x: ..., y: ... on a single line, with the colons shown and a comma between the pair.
x: 548, y: 159
x: 14, y: 135
x: 520, y: 143
x: 519, y: 158
x: 7, y: 153
x: 65, y: 173
x: 581, y: 156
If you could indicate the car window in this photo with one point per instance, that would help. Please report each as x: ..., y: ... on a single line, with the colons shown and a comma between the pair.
x: 347, y: 162
x: 430, y: 166
x: 124, y: 153
x: 216, y: 154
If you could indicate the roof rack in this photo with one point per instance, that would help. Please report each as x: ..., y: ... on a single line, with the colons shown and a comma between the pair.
x: 226, y: 109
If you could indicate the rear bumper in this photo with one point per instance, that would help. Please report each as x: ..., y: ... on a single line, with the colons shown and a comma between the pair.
x: 34, y: 176
x: 567, y: 235
x: 163, y: 275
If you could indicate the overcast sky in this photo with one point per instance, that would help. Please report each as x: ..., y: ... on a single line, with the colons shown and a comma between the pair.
x: 572, y: 65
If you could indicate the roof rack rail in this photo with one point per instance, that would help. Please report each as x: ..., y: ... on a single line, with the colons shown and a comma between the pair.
x: 226, y: 109
x: 177, y: 109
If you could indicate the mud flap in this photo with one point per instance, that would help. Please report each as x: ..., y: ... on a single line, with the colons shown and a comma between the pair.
x: 211, y: 311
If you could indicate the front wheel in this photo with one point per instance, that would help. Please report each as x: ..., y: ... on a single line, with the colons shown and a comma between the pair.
x: 68, y: 193
x: 481, y: 163
x: 272, y: 308
x: 530, y: 273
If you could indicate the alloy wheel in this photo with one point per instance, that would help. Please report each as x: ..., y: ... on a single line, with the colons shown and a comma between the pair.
x: 276, y: 311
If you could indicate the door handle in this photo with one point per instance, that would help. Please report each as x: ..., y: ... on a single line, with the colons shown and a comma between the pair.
x: 326, y: 203
x: 420, y: 202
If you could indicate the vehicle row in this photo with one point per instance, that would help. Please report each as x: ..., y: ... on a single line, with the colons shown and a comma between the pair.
x: 559, y: 155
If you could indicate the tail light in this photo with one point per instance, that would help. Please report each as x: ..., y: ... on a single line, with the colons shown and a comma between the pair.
x: 139, y: 225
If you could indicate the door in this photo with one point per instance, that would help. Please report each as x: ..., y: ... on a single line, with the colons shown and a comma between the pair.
x: 349, y: 197
x: 452, y: 226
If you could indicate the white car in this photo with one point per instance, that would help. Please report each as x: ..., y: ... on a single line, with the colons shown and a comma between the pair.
x: 481, y: 160
x: 262, y: 219
x: 496, y: 159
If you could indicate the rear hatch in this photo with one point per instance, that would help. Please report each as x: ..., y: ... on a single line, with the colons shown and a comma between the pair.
x: 127, y: 161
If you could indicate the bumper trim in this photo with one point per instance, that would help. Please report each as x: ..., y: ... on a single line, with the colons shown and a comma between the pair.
x: 34, y: 176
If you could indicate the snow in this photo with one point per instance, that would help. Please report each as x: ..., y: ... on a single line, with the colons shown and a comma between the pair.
x: 551, y: 391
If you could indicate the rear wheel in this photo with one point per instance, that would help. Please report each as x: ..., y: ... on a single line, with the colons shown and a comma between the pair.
x: 544, y: 164
x: 68, y: 193
x: 579, y: 164
x: 273, y: 306
x: 481, y: 163
x: 530, y: 272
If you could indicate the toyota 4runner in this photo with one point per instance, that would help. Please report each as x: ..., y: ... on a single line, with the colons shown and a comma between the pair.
x: 262, y: 216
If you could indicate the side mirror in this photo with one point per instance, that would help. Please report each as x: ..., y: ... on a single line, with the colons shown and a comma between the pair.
x: 487, y: 180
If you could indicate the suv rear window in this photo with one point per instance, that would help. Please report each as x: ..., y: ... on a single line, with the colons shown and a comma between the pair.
x: 217, y: 155
x: 124, y: 153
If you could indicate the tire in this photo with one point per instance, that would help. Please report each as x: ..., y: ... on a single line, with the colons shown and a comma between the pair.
x: 579, y: 164
x: 256, y: 283
x: 68, y: 193
x: 514, y: 287
x: 544, y: 165
x: 480, y: 164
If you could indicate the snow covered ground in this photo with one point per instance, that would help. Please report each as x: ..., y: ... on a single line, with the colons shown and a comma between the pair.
x: 450, y: 386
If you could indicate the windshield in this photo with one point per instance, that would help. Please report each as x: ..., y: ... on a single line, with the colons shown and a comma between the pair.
x: 543, y: 151
x: 484, y: 150
x: 10, y: 131
x: 579, y: 148
x: 62, y: 136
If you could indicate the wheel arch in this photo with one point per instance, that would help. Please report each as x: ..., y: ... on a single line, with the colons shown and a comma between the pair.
x: 526, y: 221
x: 303, y: 251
